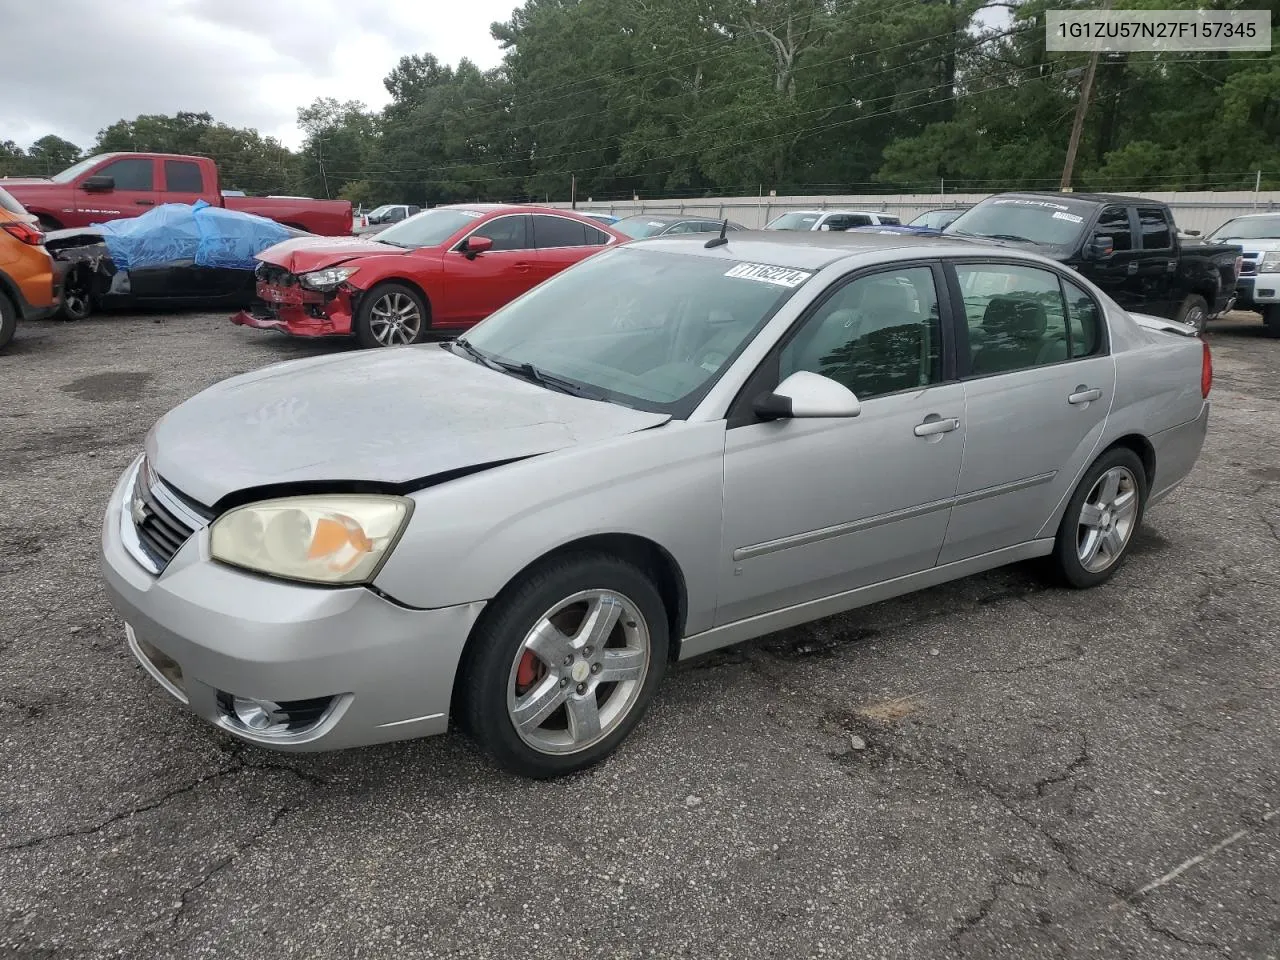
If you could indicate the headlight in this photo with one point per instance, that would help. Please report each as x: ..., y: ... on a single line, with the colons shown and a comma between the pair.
x: 1270, y: 262
x: 320, y: 539
x: 326, y: 279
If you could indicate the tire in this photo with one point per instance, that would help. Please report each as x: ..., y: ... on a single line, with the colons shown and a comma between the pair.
x: 48, y: 223
x: 1086, y: 553
x: 384, y: 311
x: 1271, y: 319
x: 77, y: 301
x: 8, y: 320
x: 1194, y: 312
x: 549, y: 609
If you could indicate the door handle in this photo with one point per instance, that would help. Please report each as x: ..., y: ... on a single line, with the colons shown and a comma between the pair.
x: 1084, y: 394
x: 931, y: 428
x: 145, y: 203
x: 1132, y: 268
x: 522, y: 267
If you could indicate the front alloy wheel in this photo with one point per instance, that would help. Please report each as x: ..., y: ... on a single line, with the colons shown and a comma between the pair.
x: 395, y: 319
x: 563, y: 663
x: 578, y: 672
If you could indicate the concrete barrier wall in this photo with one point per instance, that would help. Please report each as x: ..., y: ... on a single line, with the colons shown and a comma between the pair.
x: 1203, y: 211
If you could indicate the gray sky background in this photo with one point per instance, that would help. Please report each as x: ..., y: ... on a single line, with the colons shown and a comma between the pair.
x: 250, y: 63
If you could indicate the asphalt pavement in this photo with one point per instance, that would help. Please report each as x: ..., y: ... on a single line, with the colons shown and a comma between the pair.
x: 988, y: 769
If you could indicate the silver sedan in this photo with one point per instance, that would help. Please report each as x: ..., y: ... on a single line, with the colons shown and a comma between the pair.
x: 676, y: 445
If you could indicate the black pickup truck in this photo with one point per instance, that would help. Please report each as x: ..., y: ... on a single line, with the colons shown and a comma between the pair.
x: 1128, y: 246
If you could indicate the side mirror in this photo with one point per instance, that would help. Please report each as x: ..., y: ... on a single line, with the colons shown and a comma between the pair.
x: 807, y: 395
x: 98, y: 184
x: 1192, y: 233
x: 1099, y: 248
x: 474, y: 246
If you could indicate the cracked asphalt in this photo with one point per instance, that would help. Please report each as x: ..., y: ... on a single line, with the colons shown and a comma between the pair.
x: 1042, y: 773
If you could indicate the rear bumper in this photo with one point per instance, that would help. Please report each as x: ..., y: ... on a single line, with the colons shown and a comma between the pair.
x: 1177, y: 450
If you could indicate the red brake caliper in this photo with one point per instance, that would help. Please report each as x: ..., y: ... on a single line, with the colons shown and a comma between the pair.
x: 527, y: 672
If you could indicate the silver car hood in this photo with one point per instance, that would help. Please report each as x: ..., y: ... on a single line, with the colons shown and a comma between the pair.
x: 391, y: 416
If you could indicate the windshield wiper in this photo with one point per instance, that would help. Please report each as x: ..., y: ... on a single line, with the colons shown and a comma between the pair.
x: 526, y: 371
x: 1010, y: 236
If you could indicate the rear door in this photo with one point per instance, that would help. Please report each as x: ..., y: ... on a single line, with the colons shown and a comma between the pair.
x: 183, y: 182
x: 561, y: 242
x: 1154, y: 288
x: 476, y: 286
x: 133, y: 193
x: 1038, y: 385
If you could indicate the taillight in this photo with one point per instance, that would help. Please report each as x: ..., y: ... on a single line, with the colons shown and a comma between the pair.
x: 24, y: 232
x: 1206, y: 372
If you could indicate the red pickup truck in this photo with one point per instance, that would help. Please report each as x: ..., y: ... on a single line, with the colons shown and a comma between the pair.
x: 114, y: 185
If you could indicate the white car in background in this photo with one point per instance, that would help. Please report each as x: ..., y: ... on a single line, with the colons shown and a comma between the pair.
x: 831, y: 220
x: 1258, y: 287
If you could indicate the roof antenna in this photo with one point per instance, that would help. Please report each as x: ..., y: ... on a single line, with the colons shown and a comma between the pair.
x: 720, y: 240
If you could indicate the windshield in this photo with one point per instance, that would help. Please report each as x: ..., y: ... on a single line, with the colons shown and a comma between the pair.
x: 637, y: 228
x: 935, y: 219
x: 645, y: 329
x: 794, y: 221
x: 1248, y: 228
x: 73, y: 171
x: 1052, y: 223
x: 379, y: 211
x: 429, y: 229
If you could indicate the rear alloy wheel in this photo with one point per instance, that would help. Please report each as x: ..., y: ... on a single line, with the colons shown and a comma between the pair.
x: 563, y: 667
x: 1101, y: 518
x: 8, y: 320
x: 391, y: 315
x: 1194, y: 312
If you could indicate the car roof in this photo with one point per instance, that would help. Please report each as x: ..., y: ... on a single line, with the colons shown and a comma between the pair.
x: 865, y: 213
x: 1086, y: 197
x: 1255, y: 216
x: 813, y: 250
x: 673, y: 217
x: 487, y: 208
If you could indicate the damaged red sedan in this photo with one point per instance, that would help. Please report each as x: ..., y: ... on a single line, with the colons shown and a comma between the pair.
x: 447, y: 268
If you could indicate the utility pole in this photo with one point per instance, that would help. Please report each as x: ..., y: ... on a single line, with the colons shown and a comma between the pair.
x: 573, y: 191
x: 1077, y: 127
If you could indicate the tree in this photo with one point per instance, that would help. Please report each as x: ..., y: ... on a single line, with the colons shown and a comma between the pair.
x: 53, y: 154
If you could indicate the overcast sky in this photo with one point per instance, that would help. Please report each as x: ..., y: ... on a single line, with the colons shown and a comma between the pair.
x: 73, y: 67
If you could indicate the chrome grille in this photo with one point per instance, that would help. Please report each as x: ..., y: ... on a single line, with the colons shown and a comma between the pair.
x: 160, y: 518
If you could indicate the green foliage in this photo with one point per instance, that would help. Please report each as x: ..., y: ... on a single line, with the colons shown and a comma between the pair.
x: 694, y: 97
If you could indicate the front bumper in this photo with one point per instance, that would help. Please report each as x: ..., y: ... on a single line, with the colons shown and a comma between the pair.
x: 384, y: 672
x: 1261, y: 290
x: 300, y: 312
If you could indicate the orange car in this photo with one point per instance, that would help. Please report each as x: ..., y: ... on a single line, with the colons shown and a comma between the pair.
x: 28, y: 286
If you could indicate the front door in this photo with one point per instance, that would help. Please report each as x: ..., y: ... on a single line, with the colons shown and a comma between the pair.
x: 133, y: 193
x: 1157, y: 263
x: 1117, y: 274
x: 183, y: 182
x: 562, y: 242
x: 817, y: 507
x: 1038, y: 387
x: 477, y: 286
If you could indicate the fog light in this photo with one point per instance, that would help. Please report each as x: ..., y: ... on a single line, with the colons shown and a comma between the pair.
x: 260, y: 716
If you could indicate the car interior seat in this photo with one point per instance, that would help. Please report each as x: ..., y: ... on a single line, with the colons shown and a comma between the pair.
x: 1013, y: 334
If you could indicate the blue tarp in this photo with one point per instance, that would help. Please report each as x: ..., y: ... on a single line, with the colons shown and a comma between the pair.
x: 201, y: 234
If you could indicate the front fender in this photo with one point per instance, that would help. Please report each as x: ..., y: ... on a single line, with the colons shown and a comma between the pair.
x: 469, y: 537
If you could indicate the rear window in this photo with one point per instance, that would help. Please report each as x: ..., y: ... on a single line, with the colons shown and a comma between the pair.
x: 1248, y: 228
x: 183, y: 176
x: 794, y: 221
x: 7, y: 202
x: 637, y: 228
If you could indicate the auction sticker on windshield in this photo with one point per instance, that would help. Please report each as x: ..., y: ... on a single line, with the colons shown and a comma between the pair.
x: 763, y: 272
x: 1069, y: 217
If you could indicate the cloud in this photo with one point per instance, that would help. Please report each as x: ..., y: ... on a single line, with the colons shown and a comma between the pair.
x: 250, y: 63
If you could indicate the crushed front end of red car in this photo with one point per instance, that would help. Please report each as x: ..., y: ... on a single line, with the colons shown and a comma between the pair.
x: 285, y: 304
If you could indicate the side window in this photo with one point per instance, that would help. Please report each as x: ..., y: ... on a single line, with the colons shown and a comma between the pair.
x: 596, y: 238
x: 1015, y: 315
x: 836, y: 221
x: 558, y: 232
x: 131, y: 174
x: 507, y: 233
x: 876, y: 335
x: 889, y: 219
x: 1084, y: 324
x: 395, y: 214
x: 1114, y: 223
x: 1156, y: 234
x: 182, y: 176
x: 684, y: 226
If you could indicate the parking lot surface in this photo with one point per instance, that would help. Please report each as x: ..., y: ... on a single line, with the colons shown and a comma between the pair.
x: 989, y: 769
